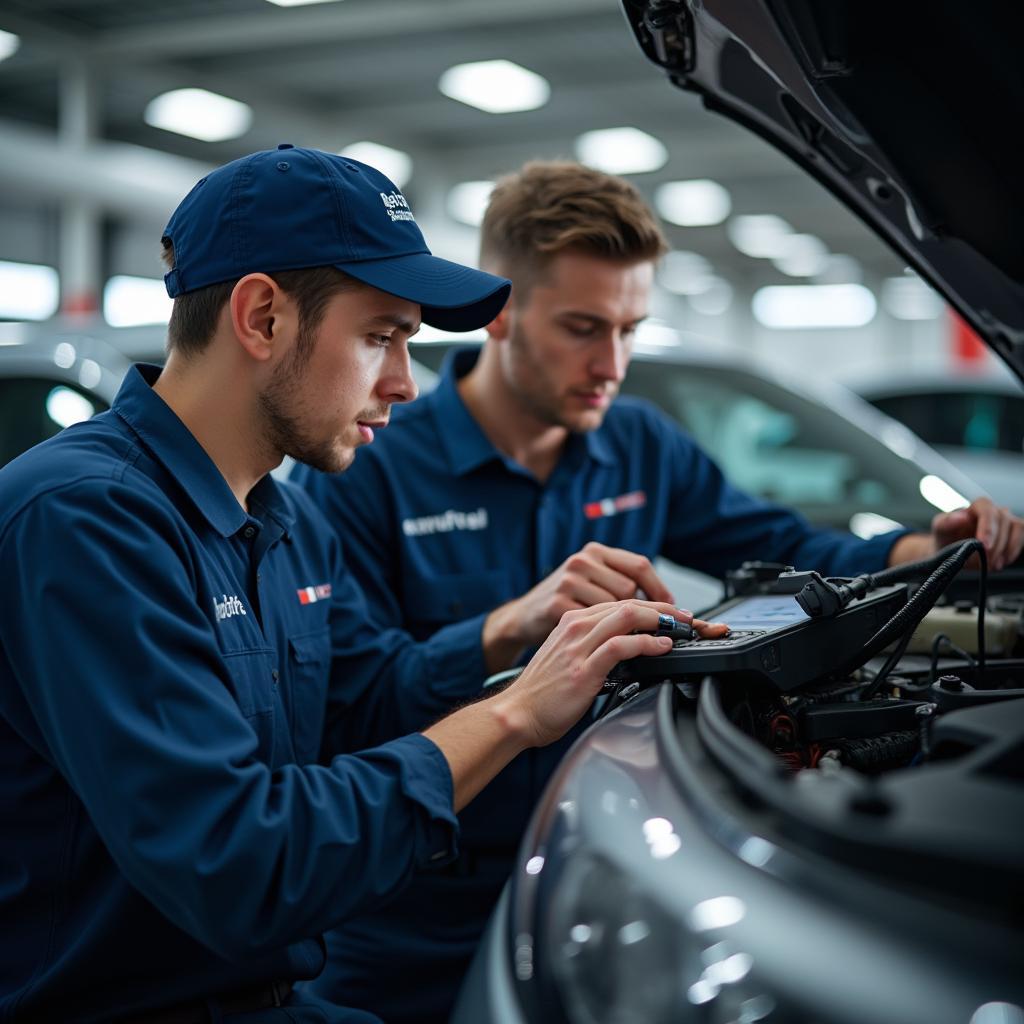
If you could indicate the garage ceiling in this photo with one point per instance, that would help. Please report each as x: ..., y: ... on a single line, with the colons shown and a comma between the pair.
x: 334, y: 73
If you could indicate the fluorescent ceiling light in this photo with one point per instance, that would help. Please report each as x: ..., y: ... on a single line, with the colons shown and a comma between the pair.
x: 800, y: 306
x: 761, y: 235
x: 693, y: 204
x: 467, y: 201
x: 28, y: 291
x: 89, y: 374
x: 497, y: 86
x: 621, y: 151
x: 66, y: 407
x: 870, y: 524
x: 802, y: 256
x: 714, y: 300
x: 936, y: 491
x: 909, y: 298
x: 199, y: 114
x: 395, y: 163
x: 655, y: 334
x: 9, y: 44
x: 685, y: 273
x: 130, y: 301
x: 64, y: 355
x: 299, y: 3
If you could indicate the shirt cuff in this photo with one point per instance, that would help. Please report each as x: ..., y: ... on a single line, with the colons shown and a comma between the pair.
x: 455, y: 657
x: 876, y: 550
x: 426, y: 778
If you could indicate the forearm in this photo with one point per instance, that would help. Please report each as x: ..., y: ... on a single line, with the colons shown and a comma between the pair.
x: 478, y: 741
x: 912, y: 547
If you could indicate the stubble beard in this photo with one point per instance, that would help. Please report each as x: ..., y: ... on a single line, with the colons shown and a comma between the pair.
x: 542, y: 403
x: 282, y: 431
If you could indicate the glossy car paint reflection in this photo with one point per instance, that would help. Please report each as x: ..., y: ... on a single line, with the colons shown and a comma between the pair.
x: 646, y: 891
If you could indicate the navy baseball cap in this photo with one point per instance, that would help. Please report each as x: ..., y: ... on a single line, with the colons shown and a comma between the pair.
x: 289, y: 208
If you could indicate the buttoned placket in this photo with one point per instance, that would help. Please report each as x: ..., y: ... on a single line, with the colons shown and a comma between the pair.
x: 550, y: 531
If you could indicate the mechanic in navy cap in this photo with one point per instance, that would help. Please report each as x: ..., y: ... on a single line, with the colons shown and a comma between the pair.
x: 177, y: 828
x: 521, y: 488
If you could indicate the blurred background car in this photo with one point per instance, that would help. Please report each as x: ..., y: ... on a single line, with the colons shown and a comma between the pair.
x: 974, y: 419
x: 52, y: 376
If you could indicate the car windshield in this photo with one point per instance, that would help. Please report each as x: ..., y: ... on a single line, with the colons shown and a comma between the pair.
x: 783, y: 447
x: 33, y: 409
x: 983, y: 421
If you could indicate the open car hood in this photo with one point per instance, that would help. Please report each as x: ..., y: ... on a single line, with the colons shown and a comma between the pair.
x: 907, y: 112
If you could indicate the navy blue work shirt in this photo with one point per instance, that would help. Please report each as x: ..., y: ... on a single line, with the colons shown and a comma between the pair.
x: 440, y: 528
x: 173, y: 672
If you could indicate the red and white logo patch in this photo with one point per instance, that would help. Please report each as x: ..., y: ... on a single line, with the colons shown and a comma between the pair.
x: 310, y: 595
x: 613, y: 506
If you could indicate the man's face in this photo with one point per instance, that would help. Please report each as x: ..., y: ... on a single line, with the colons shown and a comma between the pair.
x: 569, y: 342
x: 338, y: 382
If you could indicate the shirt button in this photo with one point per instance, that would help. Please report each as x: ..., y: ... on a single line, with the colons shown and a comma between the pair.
x: 259, y: 577
x: 249, y: 532
x: 275, y: 675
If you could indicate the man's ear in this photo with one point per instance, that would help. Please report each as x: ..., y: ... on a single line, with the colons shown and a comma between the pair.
x: 500, y: 327
x: 261, y: 315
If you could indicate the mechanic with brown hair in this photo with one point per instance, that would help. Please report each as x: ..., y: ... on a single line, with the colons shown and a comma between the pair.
x: 179, y: 635
x: 521, y: 489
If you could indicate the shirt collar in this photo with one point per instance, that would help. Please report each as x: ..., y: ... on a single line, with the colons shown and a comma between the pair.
x: 465, y: 443
x: 176, y: 448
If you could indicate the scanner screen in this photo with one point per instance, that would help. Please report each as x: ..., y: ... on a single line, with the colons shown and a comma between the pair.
x: 766, y: 612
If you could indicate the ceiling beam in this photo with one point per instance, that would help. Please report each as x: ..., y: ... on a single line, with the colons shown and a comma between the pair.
x: 300, y: 26
x: 118, y: 178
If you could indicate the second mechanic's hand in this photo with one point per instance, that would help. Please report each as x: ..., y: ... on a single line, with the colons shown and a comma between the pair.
x: 568, y: 671
x: 596, y: 574
x: 997, y: 528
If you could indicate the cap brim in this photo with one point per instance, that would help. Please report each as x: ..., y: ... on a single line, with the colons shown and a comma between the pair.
x: 451, y: 296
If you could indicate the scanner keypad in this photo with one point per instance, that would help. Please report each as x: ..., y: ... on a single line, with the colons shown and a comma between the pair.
x: 735, y: 636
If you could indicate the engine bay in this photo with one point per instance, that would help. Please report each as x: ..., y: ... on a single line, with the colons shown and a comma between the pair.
x: 883, y: 727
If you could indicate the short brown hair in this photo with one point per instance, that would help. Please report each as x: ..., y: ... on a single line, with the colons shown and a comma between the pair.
x: 194, y: 315
x: 548, y: 207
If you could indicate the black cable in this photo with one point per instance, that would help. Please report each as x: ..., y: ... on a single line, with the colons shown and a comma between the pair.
x: 937, y: 643
x: 982, y: 601
x: 907, y: 571
x: 910, y: 615
x: 890, y: 663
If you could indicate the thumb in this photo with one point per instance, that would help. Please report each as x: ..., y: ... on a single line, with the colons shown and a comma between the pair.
x: 951, y: 525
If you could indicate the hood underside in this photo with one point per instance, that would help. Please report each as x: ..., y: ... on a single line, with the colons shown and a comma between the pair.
x: 907, y: 112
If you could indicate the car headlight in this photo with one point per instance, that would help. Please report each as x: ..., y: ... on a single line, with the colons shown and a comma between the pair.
x: 616, y: 956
